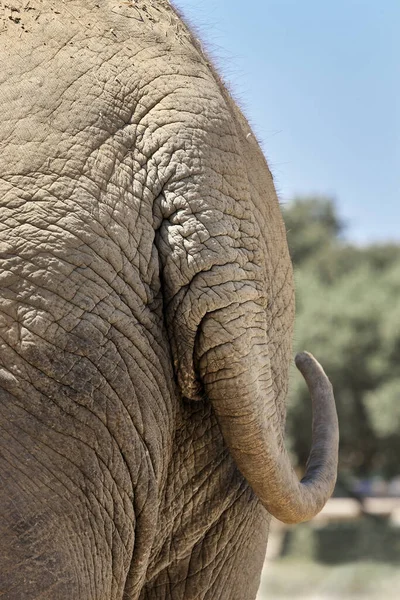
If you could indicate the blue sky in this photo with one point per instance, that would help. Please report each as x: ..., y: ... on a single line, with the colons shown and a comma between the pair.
x: 320, y: 83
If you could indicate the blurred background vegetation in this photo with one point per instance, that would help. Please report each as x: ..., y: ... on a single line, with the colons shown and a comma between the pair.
x: 348, y: 315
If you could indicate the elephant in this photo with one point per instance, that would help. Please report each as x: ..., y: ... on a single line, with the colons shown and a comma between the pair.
x: 146, y: 317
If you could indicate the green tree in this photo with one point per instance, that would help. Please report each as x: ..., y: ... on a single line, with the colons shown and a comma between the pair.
x: 312, y: 225
x: 348, y: 315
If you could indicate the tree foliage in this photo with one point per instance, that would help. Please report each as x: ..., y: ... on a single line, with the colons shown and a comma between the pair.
x: 348, y: 315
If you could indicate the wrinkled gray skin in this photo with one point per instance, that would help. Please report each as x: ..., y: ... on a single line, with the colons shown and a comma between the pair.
x: 146, y: 313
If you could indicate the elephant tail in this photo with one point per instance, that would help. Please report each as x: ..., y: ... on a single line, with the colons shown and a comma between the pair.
x: 248, y: 424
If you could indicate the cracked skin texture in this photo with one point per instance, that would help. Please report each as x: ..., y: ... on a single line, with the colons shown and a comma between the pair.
x: 143, y: 257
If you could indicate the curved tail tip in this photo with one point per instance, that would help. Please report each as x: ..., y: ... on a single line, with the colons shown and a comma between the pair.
x: 308, y: 366
x: 304, y: 358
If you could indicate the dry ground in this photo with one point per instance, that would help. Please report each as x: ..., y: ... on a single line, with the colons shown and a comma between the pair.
x: 286, y: 579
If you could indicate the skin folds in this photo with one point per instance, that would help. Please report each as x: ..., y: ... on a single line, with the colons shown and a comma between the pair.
x: 146, y: 313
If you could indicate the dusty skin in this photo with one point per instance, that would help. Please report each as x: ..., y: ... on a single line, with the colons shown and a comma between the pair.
x: 146, y: 313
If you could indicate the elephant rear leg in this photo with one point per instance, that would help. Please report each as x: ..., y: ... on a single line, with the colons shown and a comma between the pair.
x: 225, y: 565
x: 68, y: 528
